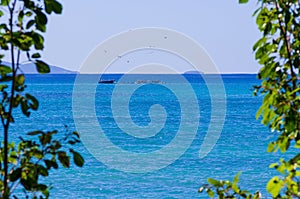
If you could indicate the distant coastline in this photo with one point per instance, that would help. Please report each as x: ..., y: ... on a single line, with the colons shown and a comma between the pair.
x: 30, y: 68
x: 193, y: 72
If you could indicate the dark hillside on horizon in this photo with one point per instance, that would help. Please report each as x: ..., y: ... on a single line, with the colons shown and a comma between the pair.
x: 192, y: 72
x: 30, y: 68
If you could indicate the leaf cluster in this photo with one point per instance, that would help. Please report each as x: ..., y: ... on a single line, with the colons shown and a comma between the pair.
x: 25, y: 27
x: 27, y: 164
x: 227, y: 189
x: 31, y: 160
x: 278, y: 52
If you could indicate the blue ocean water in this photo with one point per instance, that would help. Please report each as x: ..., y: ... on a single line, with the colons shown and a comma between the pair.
x: 241, y: 147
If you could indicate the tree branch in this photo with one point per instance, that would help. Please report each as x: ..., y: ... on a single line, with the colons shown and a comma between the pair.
x: 287, y: 46
x: 6, y: 126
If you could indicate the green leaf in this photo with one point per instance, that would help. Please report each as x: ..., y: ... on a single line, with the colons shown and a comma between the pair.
x: 45, y: 139
x: 64, y: 159
x: 6, y: 79
x: 42, y: 170
x: 13, y: 157
x: 3, y: 87
x: 273, y: 165
x: 28, y: 13
x: 284, y: 144
x: 295, y: 159
x: 50, y: 164
x: 36, y: 55
x: 5, y: 69
x: 4, y: 2
x: 48, y: 6
x: 271, y: 147
x: 30, y: 24
x: 36, y: 133
x: 37, y: 153
x: 210, y: 193
x: 77, y: 134
x: 15, y: 175
x: 24, y: 108
x: 71, y: 142
x: 42, y: 67
x: 41, y: 21
x: 42, y: 187
x: 243, y: 1
x: 274, y: 186
x: 235, y: 183
x: 56, y: 144
x: 4, y: 26
x: 21, y: 16
x: 78, y: 159
x: 297, y: 145
x: 259, y: 43
x: 41, y: 27
x: 214, y: 182
x: 41, y: 18
x: 53, y: 6
x: 38, y: 41
x: 20, y: 80
x: 57, y: 7
x: 11, y: 119
x: 35, y: 103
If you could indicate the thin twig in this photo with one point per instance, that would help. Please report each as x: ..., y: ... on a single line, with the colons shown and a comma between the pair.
x: 6, y: 126
x: 288, y: 47
x: 289, y: 53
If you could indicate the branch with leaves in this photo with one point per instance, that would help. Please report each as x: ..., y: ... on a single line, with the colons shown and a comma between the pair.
x: 21, y: 32
x: 278, y: 52
x: 32, y: 159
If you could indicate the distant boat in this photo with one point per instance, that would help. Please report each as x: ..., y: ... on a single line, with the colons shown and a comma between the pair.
x: 149, y: 82
x: 110, y: 81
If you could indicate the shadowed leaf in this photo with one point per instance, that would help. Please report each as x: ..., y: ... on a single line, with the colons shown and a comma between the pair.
x: 42, y: 67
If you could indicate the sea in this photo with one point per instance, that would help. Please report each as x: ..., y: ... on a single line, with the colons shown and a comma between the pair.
x: 139, y: 117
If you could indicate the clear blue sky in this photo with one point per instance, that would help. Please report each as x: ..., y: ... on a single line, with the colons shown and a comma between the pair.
x: 225, y: 29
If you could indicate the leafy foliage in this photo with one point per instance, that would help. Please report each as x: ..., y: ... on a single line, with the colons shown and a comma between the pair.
x: 278, y: 52
x: 23, y: 23
x: 227, y: 189
x: 32, y: 159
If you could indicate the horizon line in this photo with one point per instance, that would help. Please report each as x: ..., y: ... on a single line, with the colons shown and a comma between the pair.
x: 76, y: 73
